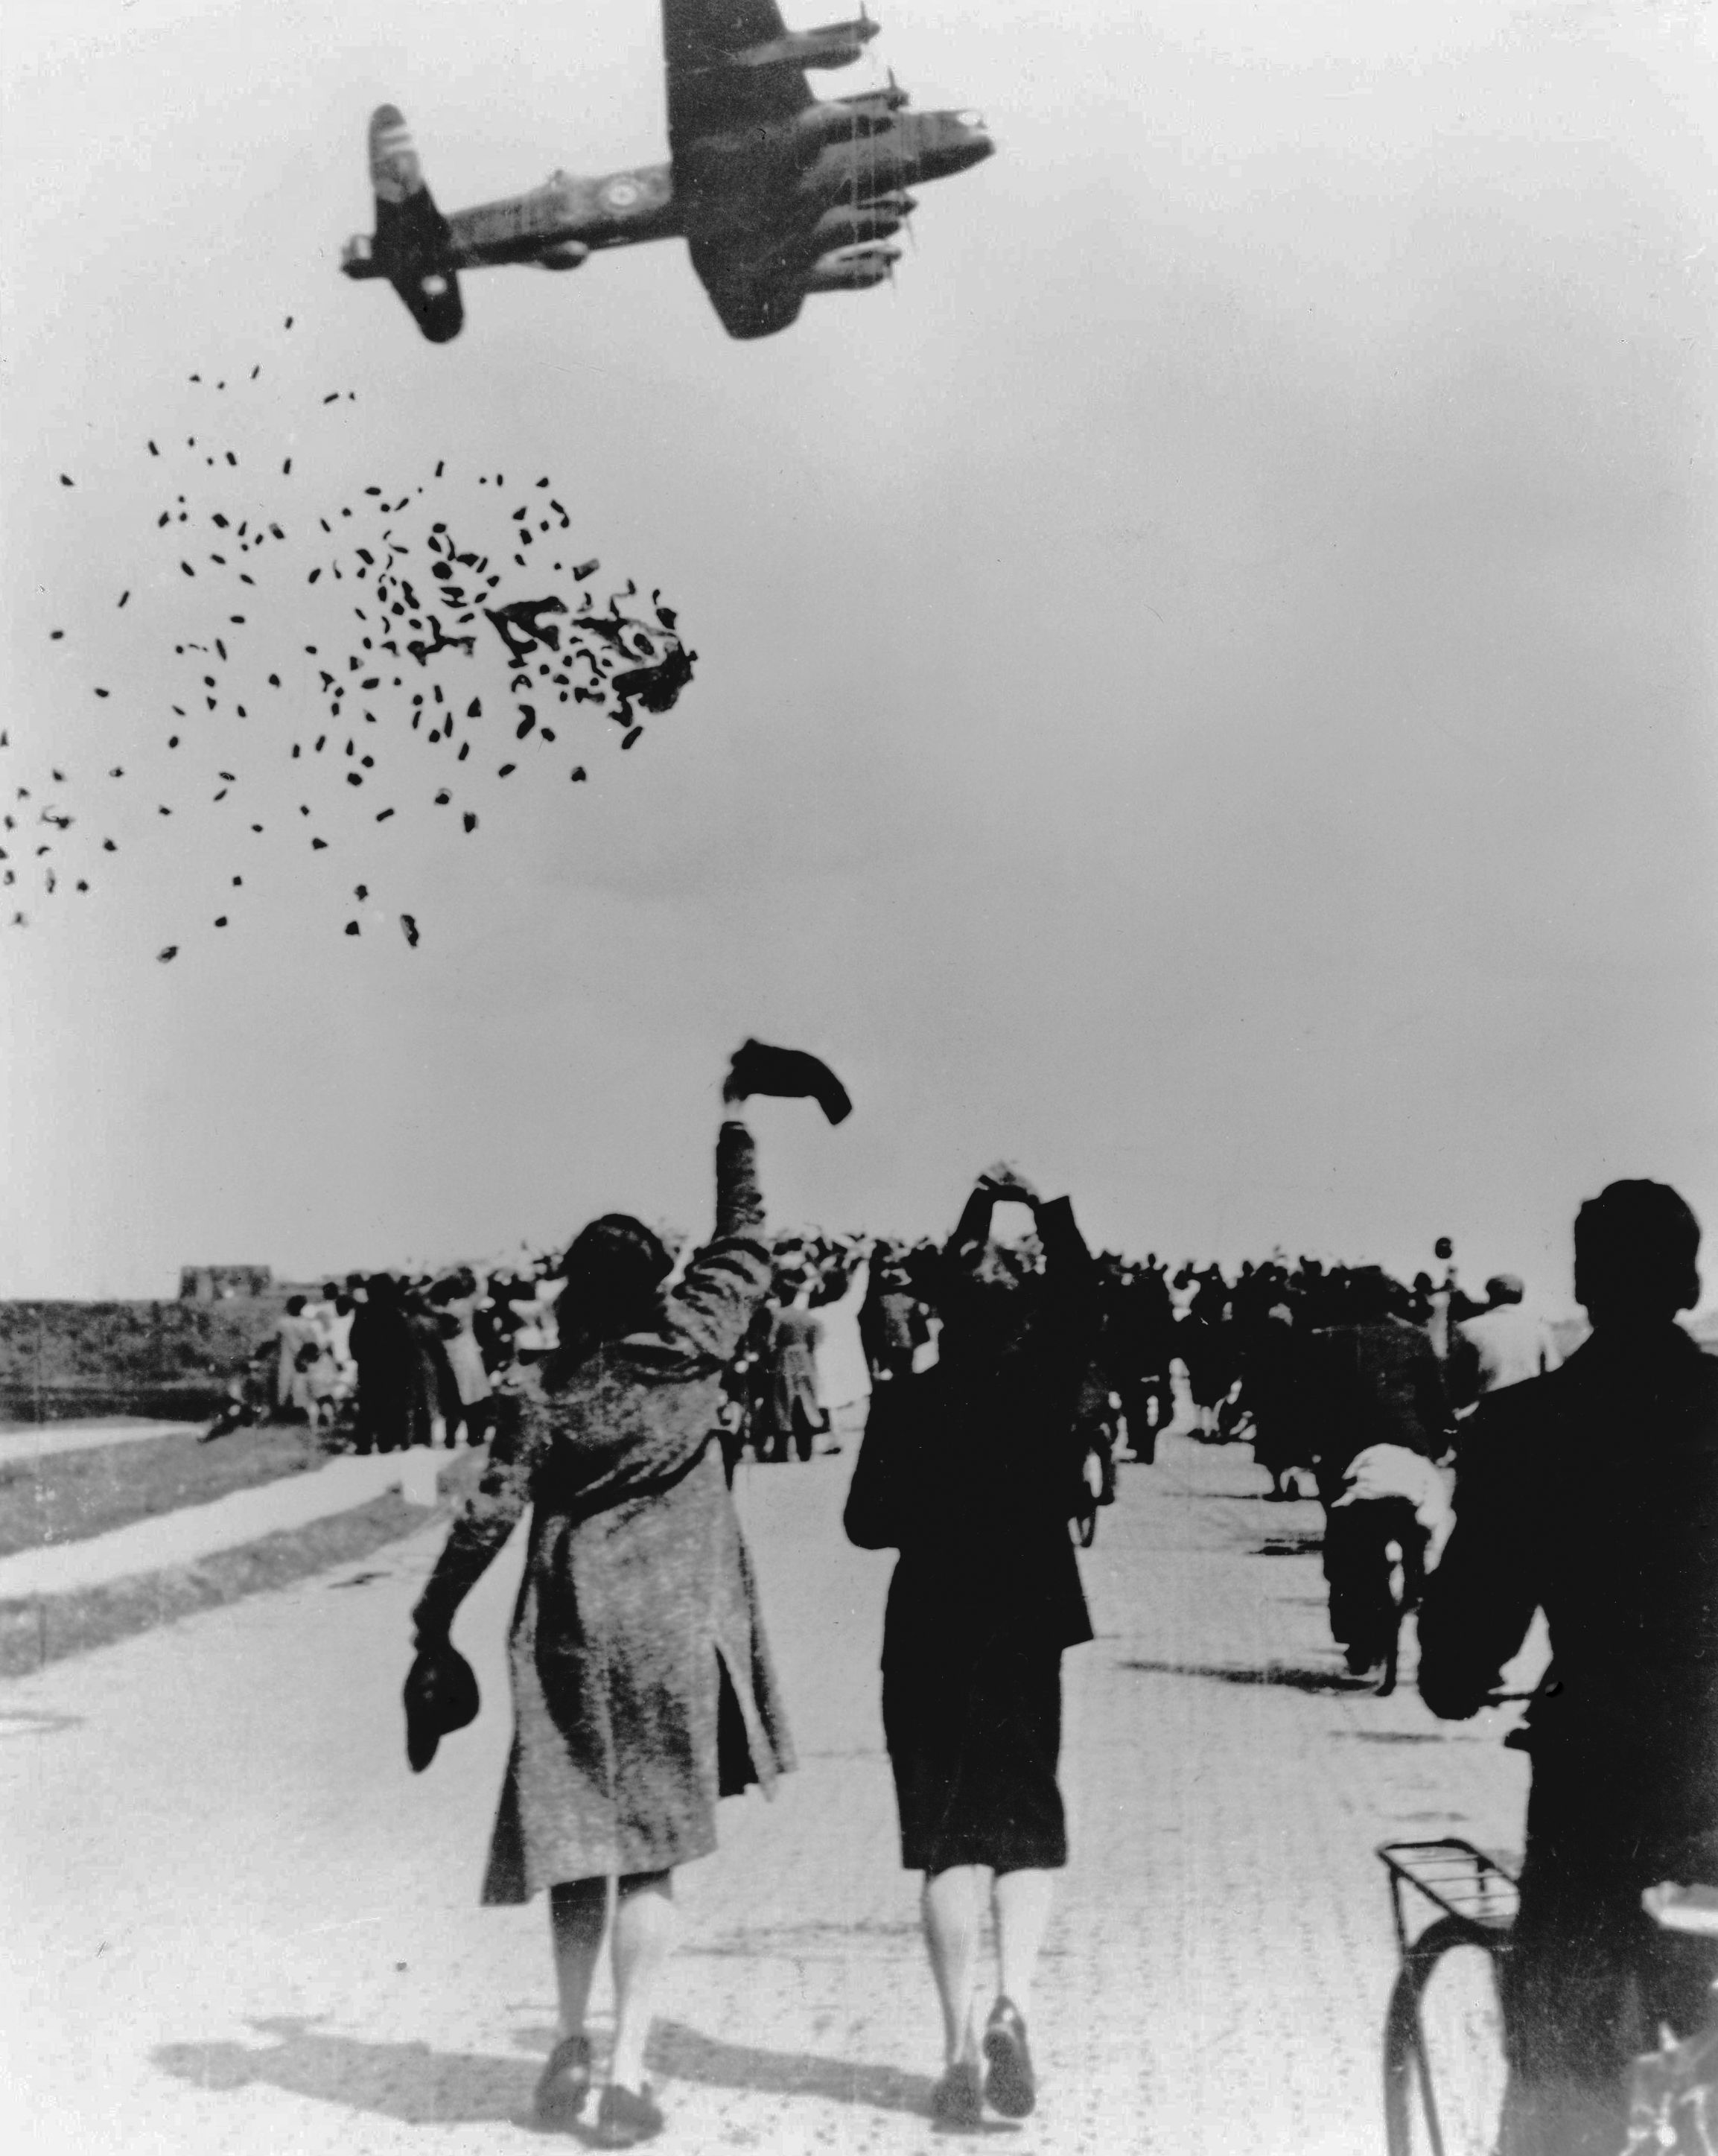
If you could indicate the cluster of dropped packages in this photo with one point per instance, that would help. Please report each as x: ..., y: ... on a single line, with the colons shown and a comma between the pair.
x: 423, y: 626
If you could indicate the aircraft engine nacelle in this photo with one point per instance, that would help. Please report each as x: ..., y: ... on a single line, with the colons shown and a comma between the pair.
x: 834, y: 45
x: 566, y: 254
x: 820, y: 125
x: 846, y: 226
x: 894, y: 99
x: 851, y: 269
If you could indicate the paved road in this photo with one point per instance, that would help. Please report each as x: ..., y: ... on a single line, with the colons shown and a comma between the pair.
x: 234, y: 1923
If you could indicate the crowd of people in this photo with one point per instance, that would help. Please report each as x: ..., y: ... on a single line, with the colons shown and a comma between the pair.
x: 1340, y: 1377
x: 383, y: 1361
x: 1464, y: 1454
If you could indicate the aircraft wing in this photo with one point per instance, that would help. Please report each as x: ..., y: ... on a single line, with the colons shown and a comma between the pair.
x: 708, y: 94
x: 751, y: 289
x: 721, y: 113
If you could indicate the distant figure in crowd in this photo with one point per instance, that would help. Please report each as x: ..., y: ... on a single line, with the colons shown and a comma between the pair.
x: 892, y: 1321
x: 973, y: 1470
x: 434, y: 1373
x: 642, y: 1684
x: 1591, y: 1494
x: 1504, y: 1344
x: 843, y: 1375
x: 336, y: 1376
x: 1445, y: 1303
x: 1207, y: 1352
x: 299, y: 1339
x: 1279, y: 1397
x: 790, y: 1414
x: 1141, y: 1342
x: 249, y: 1392
x: 1394, y: 1498
x: 1384, y: 1418
x: 1378, y: 1380
x: 395, y: 1395
x: 455, y: 1300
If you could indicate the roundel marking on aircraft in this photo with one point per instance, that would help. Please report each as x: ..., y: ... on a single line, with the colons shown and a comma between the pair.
x: 621, y: 194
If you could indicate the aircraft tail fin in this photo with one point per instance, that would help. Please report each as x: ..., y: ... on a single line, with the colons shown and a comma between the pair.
x: 412, y: 248
x: 395, y: 172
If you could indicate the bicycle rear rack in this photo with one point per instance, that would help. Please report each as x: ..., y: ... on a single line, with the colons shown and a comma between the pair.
x: 1454, y: 1877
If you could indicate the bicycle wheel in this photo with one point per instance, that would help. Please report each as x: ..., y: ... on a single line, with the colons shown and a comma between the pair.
x: 1444, y: 2058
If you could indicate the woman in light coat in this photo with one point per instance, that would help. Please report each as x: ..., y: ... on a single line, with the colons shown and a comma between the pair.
x: 642, y: 1684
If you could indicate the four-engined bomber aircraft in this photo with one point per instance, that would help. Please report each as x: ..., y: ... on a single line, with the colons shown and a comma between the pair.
x: 777, y: 193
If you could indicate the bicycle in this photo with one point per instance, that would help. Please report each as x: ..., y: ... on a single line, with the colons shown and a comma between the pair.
x: 1673, y: 2093
x: 1375, y: 1562
x: 1444, y: 2060
x: 1444, y: 2057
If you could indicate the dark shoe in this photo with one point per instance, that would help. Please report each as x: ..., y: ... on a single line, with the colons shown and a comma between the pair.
x: 565, y: 2084
x: 1011, y: 2086
x: 957, y: 2101
x: 625, y: 2117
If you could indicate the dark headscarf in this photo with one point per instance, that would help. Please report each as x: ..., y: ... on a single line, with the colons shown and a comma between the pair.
x: 613, y: 1269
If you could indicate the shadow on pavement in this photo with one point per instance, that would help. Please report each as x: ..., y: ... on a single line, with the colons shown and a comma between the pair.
x: 405, y: 2081
x: 687, y: 2055
x: 419, y: 2087
x: 1307, y: 1545
x: 1398, y: 1736
x: 1286, y: 1674
x: 813, y: 1942
x: 32, y: 1721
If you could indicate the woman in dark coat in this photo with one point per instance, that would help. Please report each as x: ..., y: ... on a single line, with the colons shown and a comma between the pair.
x: 974, y: 1471
x: 642, y: 1684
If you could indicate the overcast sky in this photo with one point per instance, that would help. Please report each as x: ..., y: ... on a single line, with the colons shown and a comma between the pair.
x: 1207, y: 688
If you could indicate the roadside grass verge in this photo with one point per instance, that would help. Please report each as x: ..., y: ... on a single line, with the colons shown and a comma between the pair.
x: 46, y: 1628
x: 69, y: 1495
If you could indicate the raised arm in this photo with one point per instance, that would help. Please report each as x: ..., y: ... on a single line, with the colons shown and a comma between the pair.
x: 1067, y: 1261
x: 856, y: 1295
x: 710, y: 1309
x: 972, y: 1228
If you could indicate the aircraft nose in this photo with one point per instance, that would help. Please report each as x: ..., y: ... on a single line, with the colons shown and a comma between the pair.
x: 976, y: 141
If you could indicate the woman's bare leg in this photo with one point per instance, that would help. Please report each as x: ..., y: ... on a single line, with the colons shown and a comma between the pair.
x: 644, y: 1934
x: 579, y: 1914
x: 1023, y: 1915
x: 953, y: 1908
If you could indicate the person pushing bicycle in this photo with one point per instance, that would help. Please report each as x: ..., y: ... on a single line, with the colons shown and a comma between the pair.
x: 1594, y: 1497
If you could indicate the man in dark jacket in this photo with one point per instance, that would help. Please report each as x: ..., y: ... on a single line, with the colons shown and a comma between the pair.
x: 974, y: 1472
x: 1593, y: 1494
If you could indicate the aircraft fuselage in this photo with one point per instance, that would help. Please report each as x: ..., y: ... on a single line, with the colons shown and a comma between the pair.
x: 848, y: 154
x: 618, y: 210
